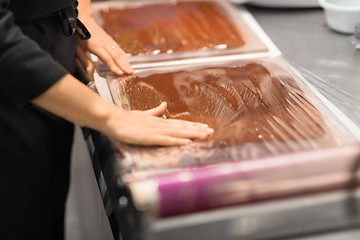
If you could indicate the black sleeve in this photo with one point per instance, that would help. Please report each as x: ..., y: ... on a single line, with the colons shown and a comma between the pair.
x: 26, y: 70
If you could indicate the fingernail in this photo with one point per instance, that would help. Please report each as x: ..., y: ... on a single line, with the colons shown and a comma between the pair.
x: 204, y: 134
x: 210, y: 130
x: 119, y: 71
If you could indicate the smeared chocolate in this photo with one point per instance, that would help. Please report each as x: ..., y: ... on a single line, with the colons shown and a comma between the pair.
x: 243, y: 104
x: 175, y: 27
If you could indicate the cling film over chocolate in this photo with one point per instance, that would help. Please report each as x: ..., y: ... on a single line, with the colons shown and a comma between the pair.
x: 277, y: 139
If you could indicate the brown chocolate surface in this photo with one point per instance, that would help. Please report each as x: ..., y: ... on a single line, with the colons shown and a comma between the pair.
x: 243, y: 104
x: 175, y: 27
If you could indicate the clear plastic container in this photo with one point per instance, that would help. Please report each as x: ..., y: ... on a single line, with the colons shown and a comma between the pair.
x: 274, y: 137
x: 155, y: 31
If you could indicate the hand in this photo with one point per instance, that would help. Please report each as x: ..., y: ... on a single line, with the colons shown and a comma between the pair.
x: 103, y: 46
x: 147, y: 128
x: 86, y: 108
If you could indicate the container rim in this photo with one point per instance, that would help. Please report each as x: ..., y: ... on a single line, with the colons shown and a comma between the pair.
x: 338, y: 7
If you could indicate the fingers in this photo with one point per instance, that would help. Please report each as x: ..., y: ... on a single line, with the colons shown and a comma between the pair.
x: 145, y: 129
x: 178, y: 132
x: 187, y: 129
x: 178, y: 136
x: 180, y: 128
x: 115, y: 59
x: 103, y: 54
x: 84, y: 60
x: 188, y: 134
x: 119, y: 57
x: 175, y: 131
x: 168, y: 141
x: 158, y: 111
x: 102, y: 45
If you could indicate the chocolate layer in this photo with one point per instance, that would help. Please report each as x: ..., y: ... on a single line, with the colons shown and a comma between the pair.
x: 243, y: 104
x: 171, y: 27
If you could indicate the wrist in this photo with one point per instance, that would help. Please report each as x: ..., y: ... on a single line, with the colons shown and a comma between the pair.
x: 104, y: 116
x: 84, y: 9
x: 86, y: 17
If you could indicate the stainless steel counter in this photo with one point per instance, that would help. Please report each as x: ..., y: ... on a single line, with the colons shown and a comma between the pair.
x: 305, y: 40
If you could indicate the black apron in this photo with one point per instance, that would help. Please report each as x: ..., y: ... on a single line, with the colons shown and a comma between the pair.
x: 36, y: 147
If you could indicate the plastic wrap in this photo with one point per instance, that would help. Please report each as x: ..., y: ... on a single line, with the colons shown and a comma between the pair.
x: 348, y: 102
x: 179, y: 29
x: 273, y: 136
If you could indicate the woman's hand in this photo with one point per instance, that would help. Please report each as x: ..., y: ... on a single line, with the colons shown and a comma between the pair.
x: 103, y: 46
x: 100, y: 44
x: 147, y: 128
x: 73, y: 101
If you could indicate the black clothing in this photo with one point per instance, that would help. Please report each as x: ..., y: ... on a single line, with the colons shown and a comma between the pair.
x: 35, y: 145
x: 31, y: 10
x: 22, y: 59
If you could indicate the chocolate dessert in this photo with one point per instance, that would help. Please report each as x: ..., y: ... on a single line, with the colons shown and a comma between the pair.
x: 243, y: 104
x: 171, y: 27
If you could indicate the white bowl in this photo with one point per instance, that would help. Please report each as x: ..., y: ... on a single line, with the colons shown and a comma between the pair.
x: 285, y: 3
x: 342, y: 15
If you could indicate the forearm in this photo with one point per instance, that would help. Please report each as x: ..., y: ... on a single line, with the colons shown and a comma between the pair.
x: 73, y: 101
x: 85, y: 11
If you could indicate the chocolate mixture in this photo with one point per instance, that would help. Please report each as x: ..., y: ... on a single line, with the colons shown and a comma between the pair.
x: 243, y: 104
x: 171, y: 27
